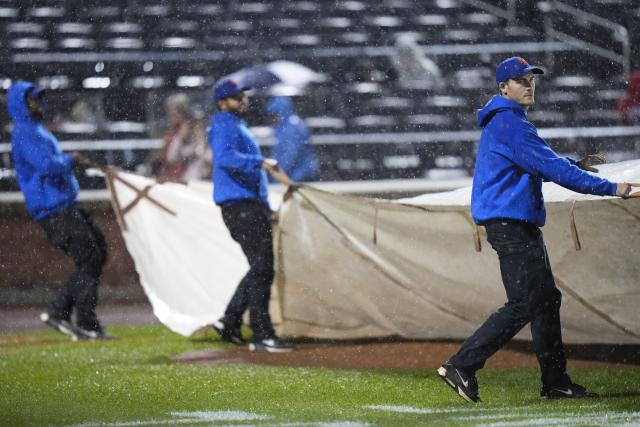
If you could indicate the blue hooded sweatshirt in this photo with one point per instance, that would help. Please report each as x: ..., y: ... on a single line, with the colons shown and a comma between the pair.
x: 44, y: 173
x: 292, y: 151
x: 513, y: 161
x: 237, y: 162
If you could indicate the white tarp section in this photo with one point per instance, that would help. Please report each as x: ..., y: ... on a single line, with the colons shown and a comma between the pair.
x: 189, y: 266
x: 351, y: 267
x: 356, y: 267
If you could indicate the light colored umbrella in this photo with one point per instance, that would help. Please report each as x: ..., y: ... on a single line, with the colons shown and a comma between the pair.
x: 277, y: 76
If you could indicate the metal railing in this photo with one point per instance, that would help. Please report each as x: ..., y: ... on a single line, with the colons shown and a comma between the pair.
x: 508, y: 12
x: 569, y: 133
x: 619, y: 33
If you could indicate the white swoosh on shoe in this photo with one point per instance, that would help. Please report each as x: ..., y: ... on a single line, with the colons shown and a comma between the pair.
x: 465, y: 383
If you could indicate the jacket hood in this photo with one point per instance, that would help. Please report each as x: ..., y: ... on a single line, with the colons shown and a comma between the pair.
x: 16, y: 102
x: 495, y: 105
x: 280, y: 106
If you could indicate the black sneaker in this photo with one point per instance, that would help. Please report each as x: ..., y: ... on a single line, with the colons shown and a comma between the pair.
x: 59, y: 325
x: 232, y: 335
x: 93, y: 334
x: 463, y: 384
x: 271, y: 345
x: 571, y: 391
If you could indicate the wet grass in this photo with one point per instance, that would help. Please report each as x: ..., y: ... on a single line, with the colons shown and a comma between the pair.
x: 47, y: 380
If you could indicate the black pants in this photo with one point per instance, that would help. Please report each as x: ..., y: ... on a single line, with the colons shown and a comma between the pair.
x: 73, y: 231
x: 249, y: 223
x: 532, y: 297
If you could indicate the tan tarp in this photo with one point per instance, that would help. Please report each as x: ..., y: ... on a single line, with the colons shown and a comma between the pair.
x: 356, y: 267
x: 352, y: 267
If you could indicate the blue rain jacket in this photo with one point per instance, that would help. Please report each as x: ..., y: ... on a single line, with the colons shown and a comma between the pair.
x: 44, y: 173
x: 237, y: 161
x: 513, y: 161
x: 292, y: 150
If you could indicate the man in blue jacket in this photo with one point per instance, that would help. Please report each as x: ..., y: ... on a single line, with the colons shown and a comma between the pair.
x: 512, y: 162
x: 292, y: 150
x: 45, y: 176
x: 240, y: 189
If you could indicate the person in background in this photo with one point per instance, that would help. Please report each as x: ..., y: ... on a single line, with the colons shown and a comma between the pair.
x: 292, y: 150
x: 415, y: 69
x: 45, y: 176
x: 507, y: 200
x: 629, y: 106
x: 240, y: 189
x: 183, y: 156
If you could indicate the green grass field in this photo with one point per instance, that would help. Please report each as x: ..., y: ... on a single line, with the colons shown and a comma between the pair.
x: 47, y: 380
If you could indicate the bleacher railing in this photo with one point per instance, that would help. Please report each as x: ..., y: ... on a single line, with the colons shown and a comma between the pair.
x: 555, y: 9
x: 507, y: 12
x: 569, y: 133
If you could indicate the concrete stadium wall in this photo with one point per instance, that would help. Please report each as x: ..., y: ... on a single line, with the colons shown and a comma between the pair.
x: 31, y: 270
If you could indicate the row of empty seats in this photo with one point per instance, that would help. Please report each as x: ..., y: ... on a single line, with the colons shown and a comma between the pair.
x: 110, y: 65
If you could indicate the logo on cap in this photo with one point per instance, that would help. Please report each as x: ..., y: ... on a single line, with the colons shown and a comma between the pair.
x: 515, y: 67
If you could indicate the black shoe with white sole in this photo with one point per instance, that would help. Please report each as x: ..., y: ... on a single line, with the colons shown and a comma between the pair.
x: 93, y: 334
x: 59, y: 325
x: 232, y: 335
x: 571, y: 391
x: 465, y: 385
x: 271, y: 345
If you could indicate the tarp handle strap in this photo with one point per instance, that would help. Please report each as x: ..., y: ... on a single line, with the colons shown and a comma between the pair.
x: 117, y: 207
x: 574, y: 229
x: 280, y: 176
x: 111, y: 176
x: 476, y: 239
x: 375, y: 226
x: 143, y: 194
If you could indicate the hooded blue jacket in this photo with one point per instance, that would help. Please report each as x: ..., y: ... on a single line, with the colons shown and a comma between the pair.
x: 511, y: 164
x: 44, y: 173
x: 292, y: 151
x: 237, y: 162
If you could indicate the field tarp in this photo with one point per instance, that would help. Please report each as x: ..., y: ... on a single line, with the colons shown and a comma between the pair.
x: 353, y: 267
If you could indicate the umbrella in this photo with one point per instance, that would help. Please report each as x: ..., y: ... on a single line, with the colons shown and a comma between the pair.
x: 276, y: 75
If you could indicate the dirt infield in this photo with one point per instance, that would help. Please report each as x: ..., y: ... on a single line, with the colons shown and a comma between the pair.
x: 405, y: 355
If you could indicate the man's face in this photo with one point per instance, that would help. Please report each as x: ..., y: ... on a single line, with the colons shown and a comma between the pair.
x: 238, y: 104
x: 35, y: 107
x: 520, y: 90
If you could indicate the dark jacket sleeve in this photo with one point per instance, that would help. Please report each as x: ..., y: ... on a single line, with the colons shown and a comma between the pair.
x: 533, y: 154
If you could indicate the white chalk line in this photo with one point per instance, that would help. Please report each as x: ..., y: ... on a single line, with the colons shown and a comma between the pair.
x: 198, y: 417
x: 510, y: 417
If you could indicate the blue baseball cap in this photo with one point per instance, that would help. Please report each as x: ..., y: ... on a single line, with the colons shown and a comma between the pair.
x: 227, y: 88
x: 514, y: 67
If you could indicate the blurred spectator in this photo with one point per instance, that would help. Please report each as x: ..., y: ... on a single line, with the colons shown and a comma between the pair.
x: 629, y: 106
x: 415, y: 69
x: 292, y: 150
x: 81, y: 120
x: 82, y: 112
x: 368, y: 70
x: 184, y: 154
